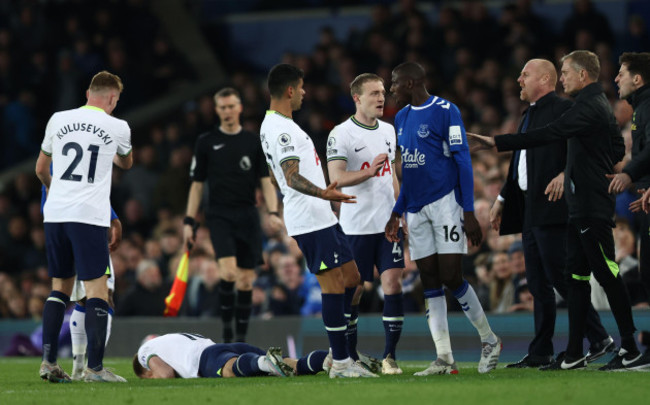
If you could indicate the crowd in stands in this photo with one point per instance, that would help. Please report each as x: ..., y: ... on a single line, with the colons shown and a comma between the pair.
x: 471, y: 59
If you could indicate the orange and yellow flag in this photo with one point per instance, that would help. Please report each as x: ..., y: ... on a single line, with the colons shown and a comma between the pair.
x: 177, y: 293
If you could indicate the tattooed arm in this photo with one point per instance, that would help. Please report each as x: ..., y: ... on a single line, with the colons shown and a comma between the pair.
x: 290, y: 168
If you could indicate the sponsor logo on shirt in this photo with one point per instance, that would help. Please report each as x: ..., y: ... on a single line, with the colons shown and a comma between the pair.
x: 413, y: 160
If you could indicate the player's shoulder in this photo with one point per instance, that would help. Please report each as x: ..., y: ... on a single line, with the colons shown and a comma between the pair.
x: 385, y: 126
x: 342, y: 129
x: 437, y: 105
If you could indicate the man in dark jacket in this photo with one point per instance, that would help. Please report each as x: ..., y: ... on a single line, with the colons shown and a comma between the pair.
x: 523, y: 206
x: 633, y: 81
x: 594, y: 145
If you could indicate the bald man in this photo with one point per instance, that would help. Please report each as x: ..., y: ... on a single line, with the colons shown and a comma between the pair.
x: 531, y: 203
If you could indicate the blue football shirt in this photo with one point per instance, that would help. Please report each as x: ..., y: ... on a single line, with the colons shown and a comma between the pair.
x: 435, y: 156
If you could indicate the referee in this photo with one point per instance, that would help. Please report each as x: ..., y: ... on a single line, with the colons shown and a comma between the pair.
x: 232, y: 161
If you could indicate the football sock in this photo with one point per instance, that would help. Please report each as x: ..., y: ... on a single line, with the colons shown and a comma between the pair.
x: 109, y: 325
x: 629, y: 344
x: 335, y: 325
x: 242, y: 314
x: 78, y: 336
x: 53, y: 313
x: 311, y: 363
x: 436, y: 313
x: 96, y: 324
x: 351, y: 333
x: 393, y: 318
x: 470, y: 304
x: 247, y: 365
x: 227, y: 298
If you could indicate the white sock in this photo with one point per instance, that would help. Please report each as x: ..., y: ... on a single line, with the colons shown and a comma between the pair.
x: 79, y: 339
x: 263, y: 365
x: 470, y: 304
x: 108, y: 326
x: 437, y: 320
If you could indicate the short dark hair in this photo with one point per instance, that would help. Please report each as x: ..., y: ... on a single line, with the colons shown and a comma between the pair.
x: 226, y: 92
x: 356, y: 87
x: 105, y: 81
x: 586, y: 60
x: 412, y: 70
x: 638, y: 63
x: 282, y: 76
x: 137, y: 367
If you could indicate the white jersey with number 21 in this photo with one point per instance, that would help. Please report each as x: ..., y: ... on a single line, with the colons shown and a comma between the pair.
x: 82, y: 143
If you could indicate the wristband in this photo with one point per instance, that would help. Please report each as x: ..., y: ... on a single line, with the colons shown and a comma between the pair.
x: 189, y: 221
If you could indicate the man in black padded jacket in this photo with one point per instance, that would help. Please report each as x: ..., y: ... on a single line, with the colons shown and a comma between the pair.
x: 594, y: 145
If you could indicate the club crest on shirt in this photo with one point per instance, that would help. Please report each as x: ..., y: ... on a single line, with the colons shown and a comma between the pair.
x: 423, y: 131
x: 245, y: 163
x: 284, y: 139
x: 399, y: 133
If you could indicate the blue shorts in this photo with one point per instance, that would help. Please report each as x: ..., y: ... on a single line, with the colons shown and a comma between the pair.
x: 74, y: 248
x: 324, y: 249
x: 216, y: 356
x: 375, y: 250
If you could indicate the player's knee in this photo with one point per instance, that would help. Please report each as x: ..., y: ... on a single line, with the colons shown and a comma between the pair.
x: 245, y: 280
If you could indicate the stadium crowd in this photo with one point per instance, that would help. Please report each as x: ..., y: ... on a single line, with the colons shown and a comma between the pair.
x: 471, y: 58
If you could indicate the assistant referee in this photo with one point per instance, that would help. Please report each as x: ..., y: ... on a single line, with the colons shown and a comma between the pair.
x: 231, y: 160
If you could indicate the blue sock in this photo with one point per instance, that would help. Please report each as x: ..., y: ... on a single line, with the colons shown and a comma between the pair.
x: 53, y: 313
x: 335, y: 325
x: 393, y: 320
x: 351, y: 334
x: 246, y: 365
x: 96, y: 324
x: 311, y: 363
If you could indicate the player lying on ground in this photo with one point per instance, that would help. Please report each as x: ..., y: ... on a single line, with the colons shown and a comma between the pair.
x: 188, y: 355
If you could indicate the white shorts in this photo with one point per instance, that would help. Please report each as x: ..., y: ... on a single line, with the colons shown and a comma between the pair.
x: 437, y: 228
x: 79, y: 291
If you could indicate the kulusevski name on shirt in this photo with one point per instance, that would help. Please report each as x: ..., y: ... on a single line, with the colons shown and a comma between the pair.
x: 84, y: 127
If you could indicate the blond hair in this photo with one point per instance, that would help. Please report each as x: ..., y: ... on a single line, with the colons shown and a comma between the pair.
x: 104, y: 80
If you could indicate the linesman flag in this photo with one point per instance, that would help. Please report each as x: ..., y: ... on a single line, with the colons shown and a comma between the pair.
x: 177, y: 293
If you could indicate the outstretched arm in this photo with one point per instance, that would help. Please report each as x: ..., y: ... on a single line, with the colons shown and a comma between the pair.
x: 297, y: 182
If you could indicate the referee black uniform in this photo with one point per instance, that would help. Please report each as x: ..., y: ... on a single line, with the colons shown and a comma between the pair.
x: 233, y: 166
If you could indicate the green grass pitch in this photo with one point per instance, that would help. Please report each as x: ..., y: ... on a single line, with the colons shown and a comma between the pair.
x: 19, y: 384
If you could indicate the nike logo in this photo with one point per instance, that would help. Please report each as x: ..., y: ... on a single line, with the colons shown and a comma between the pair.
x: 627, y: 363
x: 397, y: 260
x: 217, y: 147
x: 568, y: 366
x: 584, y: 230
x: 359, y: 149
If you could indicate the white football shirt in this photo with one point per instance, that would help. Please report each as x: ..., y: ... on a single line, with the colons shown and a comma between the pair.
x: 282, y: 140
x: 182, y: 351
x: 358, y: 145
x: 82, y: 143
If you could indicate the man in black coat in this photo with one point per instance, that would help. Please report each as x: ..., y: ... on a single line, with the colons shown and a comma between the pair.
x: 523, y: 206
x: 633, y: 81
x: 594, y: 145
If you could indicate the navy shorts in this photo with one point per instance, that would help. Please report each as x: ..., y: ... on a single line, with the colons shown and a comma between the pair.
x: 216, y: 356
x: 237, y: 233
x: 74, y: 248
x: 375, y: 250
x: 324, y: 249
